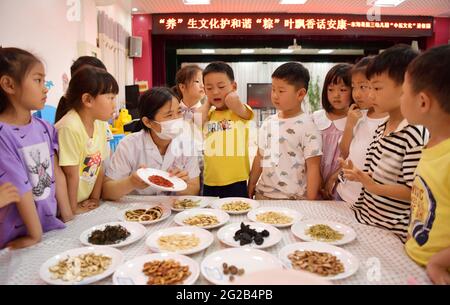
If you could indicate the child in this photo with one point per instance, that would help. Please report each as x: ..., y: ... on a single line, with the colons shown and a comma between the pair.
x: 227, y: 165
x: 362, y: 121
x: 28, y: 148
x: 393, y: 155
x: 157, y: 146
x: 426, y: 101
x: 81, y: 122
x: 336, y: 100
x: 290, y: 139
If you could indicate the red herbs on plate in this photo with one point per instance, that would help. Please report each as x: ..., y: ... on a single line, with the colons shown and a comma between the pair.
x: 161, y: 181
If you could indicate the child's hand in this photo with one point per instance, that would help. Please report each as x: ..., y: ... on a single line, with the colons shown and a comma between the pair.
x: 180, y: 174
x: 438, y: 274
x: 353, y: 115
x: 87, y: 205
x: 232, y: 101
x: 136, y: 181
x: 329, y: 186
x: 353, y: 173
x: 22, y: 242
x: 8, y: 194
x: 251, y: 190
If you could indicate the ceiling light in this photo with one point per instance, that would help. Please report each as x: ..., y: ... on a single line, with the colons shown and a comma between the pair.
x: 387, y: 3
x: 286, y: 51
x: 208, y: 51
x: 196, y: 2
x: 293, y: 1
x: 247, y: 51
x: 134, y: 9
x: 325, y: 51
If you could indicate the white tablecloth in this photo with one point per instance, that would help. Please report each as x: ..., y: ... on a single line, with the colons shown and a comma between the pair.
x: 381, y: 254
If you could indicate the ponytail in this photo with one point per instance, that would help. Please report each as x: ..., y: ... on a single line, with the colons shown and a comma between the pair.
x: 62, y: 109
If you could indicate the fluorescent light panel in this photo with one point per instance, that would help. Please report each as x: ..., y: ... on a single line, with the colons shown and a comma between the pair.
x: 208, y: 51
x: 196, y: 2
x: 293, y: 1
x: 247, y: 51
x: 325, y: 51
x: 387, y: 3
x: 134, y: 9
x: 286, y: 51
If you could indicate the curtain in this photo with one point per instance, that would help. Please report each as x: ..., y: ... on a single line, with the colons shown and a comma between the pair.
x: 113, y: 38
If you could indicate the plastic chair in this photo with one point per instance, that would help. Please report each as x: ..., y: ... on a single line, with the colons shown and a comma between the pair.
x: 48, y: 114
x: 115, y: 141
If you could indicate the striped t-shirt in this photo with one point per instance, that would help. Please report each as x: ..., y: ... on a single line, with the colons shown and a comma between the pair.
x: 391, y: 159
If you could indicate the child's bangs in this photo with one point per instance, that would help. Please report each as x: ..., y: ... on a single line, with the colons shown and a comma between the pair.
x: 108, y: 84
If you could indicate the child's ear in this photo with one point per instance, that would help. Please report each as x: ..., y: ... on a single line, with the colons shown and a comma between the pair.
x: 87, y: 100
x: 234, y: 85
x: 7, y: 84
x: 301, y: 94
x: 425, y: 102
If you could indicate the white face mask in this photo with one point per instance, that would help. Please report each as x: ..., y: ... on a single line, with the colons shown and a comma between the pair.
x: 170, y: 129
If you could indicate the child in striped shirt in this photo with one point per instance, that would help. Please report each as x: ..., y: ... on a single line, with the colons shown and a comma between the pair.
x: 393, y: 155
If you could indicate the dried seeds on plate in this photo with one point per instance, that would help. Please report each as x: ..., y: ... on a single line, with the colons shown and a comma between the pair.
x: 321, y: 263
x: 165, y: 272
x: 109, y: 236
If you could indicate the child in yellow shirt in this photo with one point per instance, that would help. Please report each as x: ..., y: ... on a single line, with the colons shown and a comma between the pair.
x: 227, y: 165
x: 426, y: 101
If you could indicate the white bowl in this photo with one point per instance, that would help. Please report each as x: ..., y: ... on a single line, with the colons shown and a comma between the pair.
x: 221, y: 216
x: 217, y: 204
x: 137, y: 231
x: 286, y: 211
x: 226, y: 235
x: 178, y: 184
x: 299, y: 229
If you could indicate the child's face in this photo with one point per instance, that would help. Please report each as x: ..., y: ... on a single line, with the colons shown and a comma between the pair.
x: 217, y: 86
x: 360, y: 90
x: 195, y: 89
x: 339, y: 95
x: 285, y: 97
x: 410, y: 103
x: 104, y: 106
x: 33, y: 93
x: 384, y: 93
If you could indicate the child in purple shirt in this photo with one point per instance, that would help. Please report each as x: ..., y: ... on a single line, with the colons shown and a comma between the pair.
x: 28, y: 149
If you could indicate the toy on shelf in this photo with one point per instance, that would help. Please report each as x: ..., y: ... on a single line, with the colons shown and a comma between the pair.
x: 123, y: 119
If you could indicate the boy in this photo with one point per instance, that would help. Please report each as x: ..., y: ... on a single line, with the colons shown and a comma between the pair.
x: 227, y: 165
x: 393, y: 155
x: 290, y: 145
x: 426, y: 101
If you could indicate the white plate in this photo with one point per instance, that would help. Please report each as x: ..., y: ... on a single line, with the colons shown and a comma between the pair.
x: 178, y: 184
x: 222, y: 217
x: 166, y: 213
x: 206, y: 239
x: 286, y: 211
x: 251, y: 260
x: 117, y: 260
x: 226, y: 235
x: 202, y: 202
x: 299, y: 228
x: 350, y: 262
x: 137, y: 231
x: 217, y: 204
x: 131, y: 273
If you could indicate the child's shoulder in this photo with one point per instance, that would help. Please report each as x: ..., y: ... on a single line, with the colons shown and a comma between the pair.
x: 321, y: 120
x: 416, y: 135
x: 70, y: 120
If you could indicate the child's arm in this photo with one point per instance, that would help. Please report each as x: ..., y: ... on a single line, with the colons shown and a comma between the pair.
x: 94, y: 199
x: 234, y: 104
x: 72, y: 177
x: 30, y: 217
x: 115, y: 189
x: 397, y: 191
x: 255, y: 173
x: 8, y: 194
x: 438, y: 266
x: 354, y: 114
x: 62, y: 197
x: 330, y: 184
x: 313, y: 178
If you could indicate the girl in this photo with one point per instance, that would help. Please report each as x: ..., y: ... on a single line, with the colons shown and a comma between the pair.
x: 156, y: 146
x: 336, y: 100
x: 28, y: 148
x: 362, y: 122
x: 81, y: 122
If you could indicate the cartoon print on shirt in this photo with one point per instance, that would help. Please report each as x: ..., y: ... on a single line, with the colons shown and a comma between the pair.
x: 90, y: 167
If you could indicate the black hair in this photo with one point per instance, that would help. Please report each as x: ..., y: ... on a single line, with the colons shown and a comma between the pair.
x: 219, y: 67
x: 394, y: 61
x: 91, y: 80
x: 430, y: 72
x: 15, y: 63
x: 337, y: 73
x: 151, y: 101
x: 361, y: 65
x: 185, y: 76
x: 86, y: 61
x: 293, y: 73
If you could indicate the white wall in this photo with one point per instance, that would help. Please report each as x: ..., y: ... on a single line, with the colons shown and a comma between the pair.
x: 47, y: 29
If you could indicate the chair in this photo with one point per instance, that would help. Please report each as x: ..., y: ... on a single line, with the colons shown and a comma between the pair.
x: 114, y: 142
x: 48, y: 114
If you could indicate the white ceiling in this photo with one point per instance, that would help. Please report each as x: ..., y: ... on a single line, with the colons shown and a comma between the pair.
x: 436, y: 8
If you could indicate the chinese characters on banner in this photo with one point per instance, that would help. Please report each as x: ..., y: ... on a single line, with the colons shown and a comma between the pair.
x: 287, y: 24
